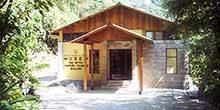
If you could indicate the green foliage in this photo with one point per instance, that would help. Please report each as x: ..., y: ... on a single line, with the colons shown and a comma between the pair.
x: 24, y: 30
x: 213, y: 95
x: 14, y: 69
x: 20, y: 103
x: 19, y: 34
x: 198, y: 24
x: 16, y: 18
x: 40, y: 66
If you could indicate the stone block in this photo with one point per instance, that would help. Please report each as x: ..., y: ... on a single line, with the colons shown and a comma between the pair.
x: 155, y: 64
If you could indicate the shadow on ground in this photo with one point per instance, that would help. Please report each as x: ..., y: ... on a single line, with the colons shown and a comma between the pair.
x: 61, y: 98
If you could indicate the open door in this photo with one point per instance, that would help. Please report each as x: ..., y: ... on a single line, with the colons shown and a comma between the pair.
x: 120, y: 64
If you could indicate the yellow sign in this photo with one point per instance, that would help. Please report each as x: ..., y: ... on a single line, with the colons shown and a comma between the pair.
x: 73, y: 61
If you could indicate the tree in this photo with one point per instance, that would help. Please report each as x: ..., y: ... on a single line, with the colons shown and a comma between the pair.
x: 18, y: 32
x: 198, y: 24
x: 24, y: 28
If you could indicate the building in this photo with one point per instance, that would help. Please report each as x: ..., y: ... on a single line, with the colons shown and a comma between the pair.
x: 127, y: 45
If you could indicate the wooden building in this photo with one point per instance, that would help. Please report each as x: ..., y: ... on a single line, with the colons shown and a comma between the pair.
x: 129, y: 46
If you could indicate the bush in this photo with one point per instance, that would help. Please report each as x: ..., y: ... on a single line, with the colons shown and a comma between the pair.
x: 15, y: 76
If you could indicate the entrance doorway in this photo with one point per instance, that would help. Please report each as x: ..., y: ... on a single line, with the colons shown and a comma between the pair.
x: 120, y: 64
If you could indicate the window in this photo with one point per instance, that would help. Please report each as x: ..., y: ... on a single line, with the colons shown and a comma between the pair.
x: 154, y: 35
x: 95, y: 61
x: 168, y: 35
x: 158, y: 36
x: 150, y: 35
x: 171, y: 60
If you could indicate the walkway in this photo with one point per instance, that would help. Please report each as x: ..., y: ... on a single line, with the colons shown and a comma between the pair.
x: 60, y: 98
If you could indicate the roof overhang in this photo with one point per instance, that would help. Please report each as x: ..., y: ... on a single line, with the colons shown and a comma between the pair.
x: 93, y: 37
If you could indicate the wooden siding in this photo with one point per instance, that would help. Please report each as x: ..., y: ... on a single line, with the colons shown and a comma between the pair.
x: 111, y: 35
x: 110, y: 32
x: 120, y: 15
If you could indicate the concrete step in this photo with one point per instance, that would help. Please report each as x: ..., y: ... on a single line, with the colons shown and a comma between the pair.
x: 171, y: 84
x: 117, y: 84
x: 112, y: 87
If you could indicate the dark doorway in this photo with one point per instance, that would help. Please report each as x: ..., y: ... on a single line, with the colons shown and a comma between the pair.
x: 120, y: 64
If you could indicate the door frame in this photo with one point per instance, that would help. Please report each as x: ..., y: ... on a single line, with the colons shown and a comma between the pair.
x: 109, y: 76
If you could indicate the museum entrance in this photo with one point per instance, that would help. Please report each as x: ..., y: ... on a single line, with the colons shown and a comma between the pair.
x: 120, y: 64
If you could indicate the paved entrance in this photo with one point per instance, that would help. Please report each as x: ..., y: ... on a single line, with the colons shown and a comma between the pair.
x: 60, y: 98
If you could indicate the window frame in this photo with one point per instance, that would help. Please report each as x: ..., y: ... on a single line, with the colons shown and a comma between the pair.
x: 94, y: 60
x: 161, y: 33
x: 172, y: 57
x: 154, y: 34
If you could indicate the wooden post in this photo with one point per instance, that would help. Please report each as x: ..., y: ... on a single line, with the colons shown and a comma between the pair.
x: 140, y: 65
x: 85, y: 68
x: 92, y: 66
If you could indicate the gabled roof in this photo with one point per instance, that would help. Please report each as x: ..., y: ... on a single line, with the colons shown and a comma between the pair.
x: 104, y: 10
x: 90, y: 34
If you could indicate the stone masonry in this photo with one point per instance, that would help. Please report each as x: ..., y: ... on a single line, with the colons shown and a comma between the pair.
x: 155, y: 65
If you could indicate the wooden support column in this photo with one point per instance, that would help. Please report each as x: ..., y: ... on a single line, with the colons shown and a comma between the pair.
x: 140, y: 65
x: 85, y: 68
x: 92, y: 66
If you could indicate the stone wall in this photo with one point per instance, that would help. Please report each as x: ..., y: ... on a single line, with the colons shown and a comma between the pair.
x: 60, y: 73
x: 105, y: 67
x: 155, y: 65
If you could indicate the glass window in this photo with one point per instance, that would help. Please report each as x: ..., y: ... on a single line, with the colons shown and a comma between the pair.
x: 155, y: 35
x: 171, y: 52
x: 171, y: 63
x: 95, y: 61
x: 158, y: 36
x: 150, y: 35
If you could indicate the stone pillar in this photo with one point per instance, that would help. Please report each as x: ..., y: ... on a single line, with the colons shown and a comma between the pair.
x: 60, y: 73
x: 134, y: 84
x: 105, y: 62
x: 134, y: 61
